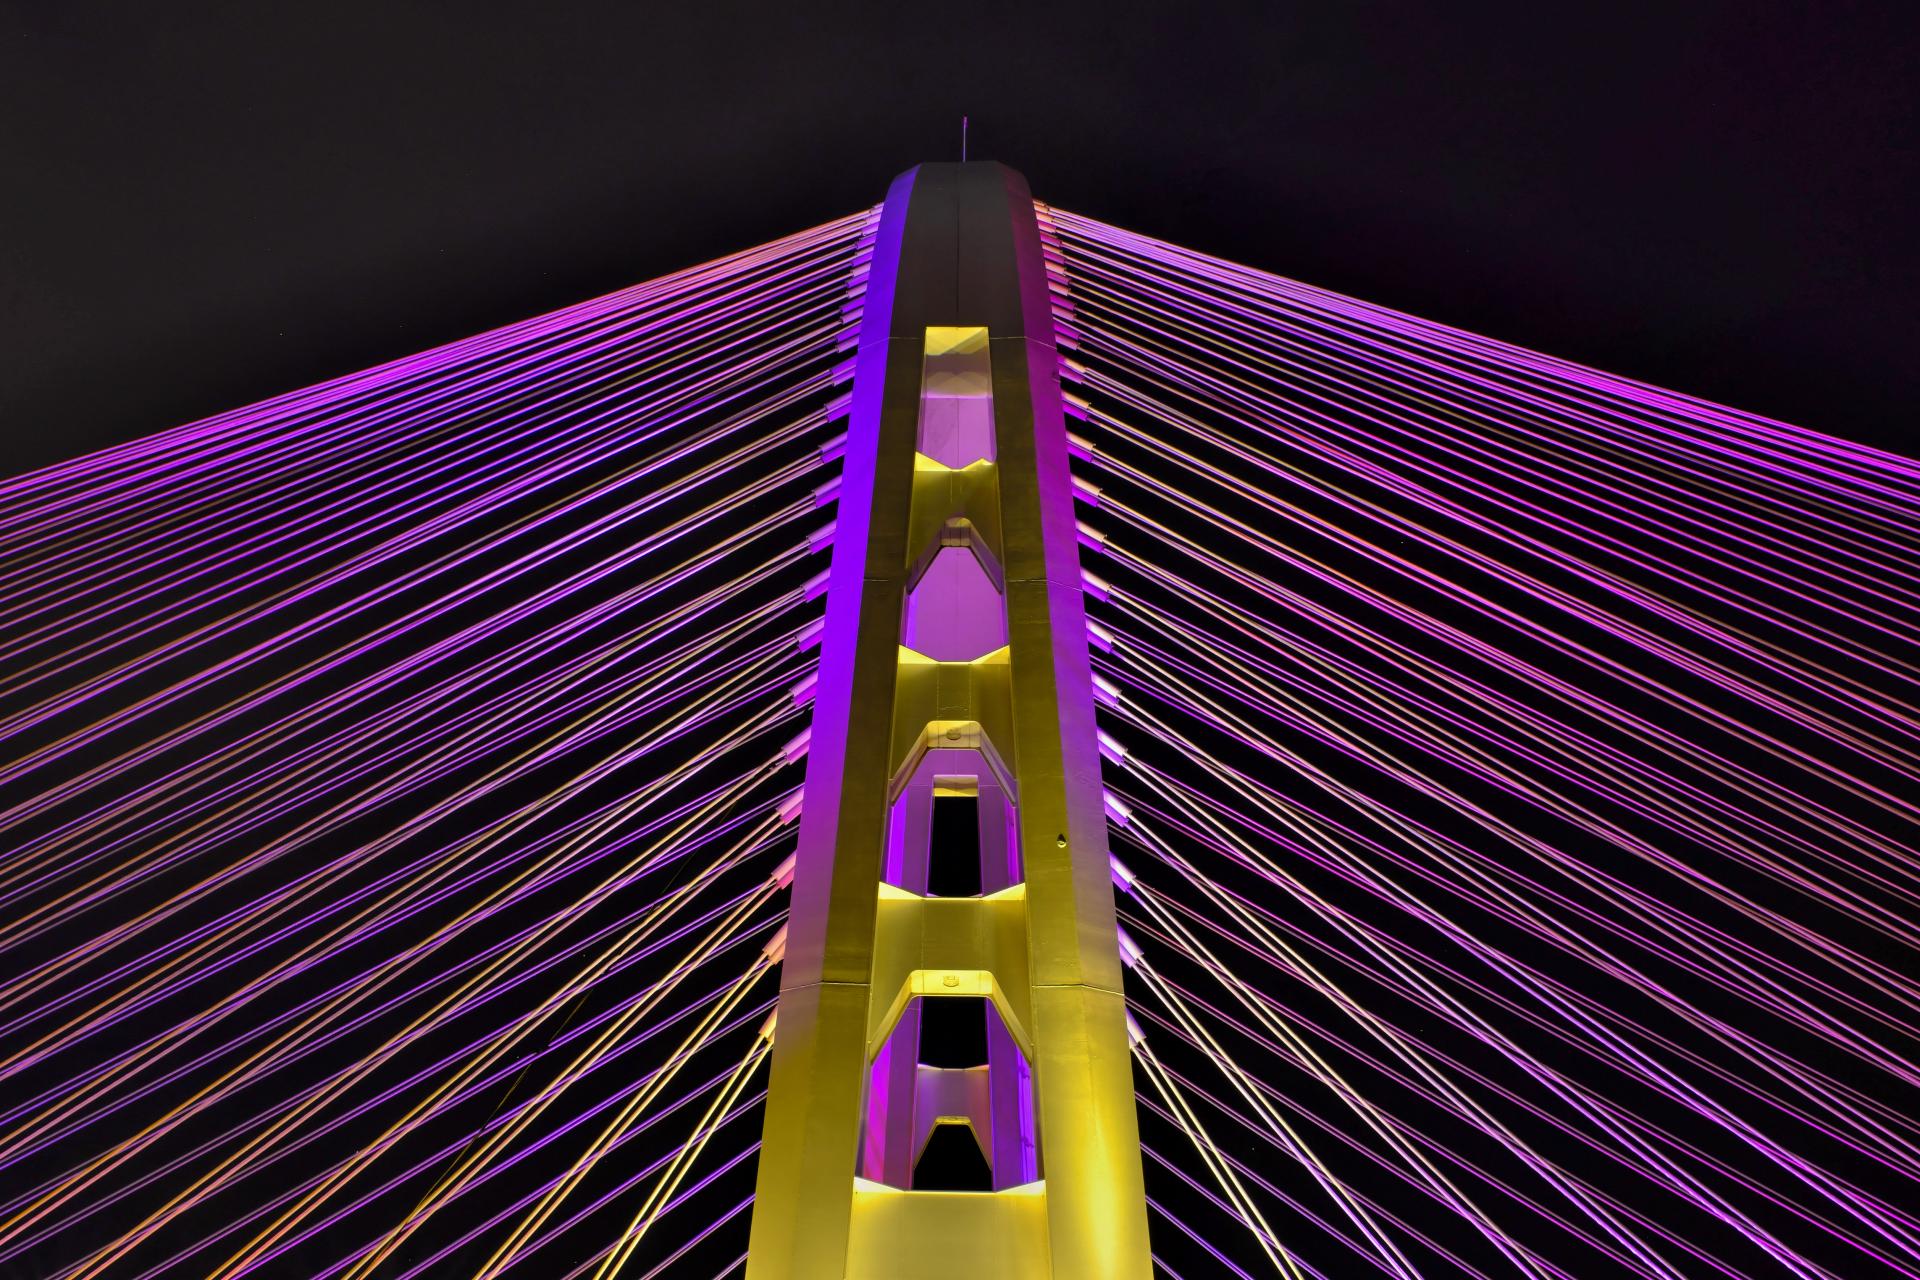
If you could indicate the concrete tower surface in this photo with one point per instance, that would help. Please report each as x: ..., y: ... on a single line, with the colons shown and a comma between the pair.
x: 955, y: 693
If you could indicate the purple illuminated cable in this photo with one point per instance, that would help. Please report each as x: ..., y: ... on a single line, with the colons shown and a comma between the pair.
x: 306, y: 713
x: 496, y: 1121
x: 745, y: 1108
x: 1515, y: 465
x: 387, y: 921
x: 387, y: 629
x: 1586, y: 654
x: 1185, y: 1033
x: 501, y: 1074
x: 1661, y: 606
x: 453, y: 1149
x: 387, y: 918
x: 1646, y: 905
x: 442, y: 604
x: 287, y: 528
x: 546, y: 1139
x: 1570, y: 1129
x: 197, y: 435
x: 1734, y: 849
x: 342, y: 740
x: 617, y: 707
x: 603, y: 725
x: 371, y: 686
x: 1891, y: 464
x: 279, y: 458
x: 1746, y: 1131
x: 1294, y: 1203
x: 1786, y: 705
x: 1212, y: 1250
x: 526, y: 887
x: 291, y: 525
x: 457, y: 1010
x: 1393, y: 360
x: 1898, y: 1156
x: 1203, y: 838
x: 1563, y: 689
x: 351, y: 1068
x: 185, y: 1070
x: 1335, y: 428
x: 276, y: 412
x: 750, y: 776
x: 1353, y: 676
x: 1579, y: 1134
x: 1482, y: 694
x: 562, y: 444
x: 1790, y: 1009
x: 499, y: 494
x: 751, y: 1017
x: 1826, y: 817
x: 1597, y: 1203
x: 600, y: 723
x: 1253, y: 1175
x: 354, y: 486
x: 1580, y: 1196
x: 353, y: 737
x: 391, y: 1002
x: 1890, y: 979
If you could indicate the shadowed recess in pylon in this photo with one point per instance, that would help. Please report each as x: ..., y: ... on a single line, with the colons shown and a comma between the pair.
x: 1509, y: 771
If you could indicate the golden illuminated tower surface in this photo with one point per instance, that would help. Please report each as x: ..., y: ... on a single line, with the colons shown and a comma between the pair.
x: 953, y: 670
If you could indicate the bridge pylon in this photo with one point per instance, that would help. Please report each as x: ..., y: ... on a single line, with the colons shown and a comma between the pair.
x: 952, y: 968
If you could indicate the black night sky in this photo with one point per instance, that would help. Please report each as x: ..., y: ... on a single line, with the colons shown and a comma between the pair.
x: 207, y: 204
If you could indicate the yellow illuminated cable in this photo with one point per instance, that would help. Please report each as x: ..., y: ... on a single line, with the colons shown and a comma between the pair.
x: 1402, y: 1048
x: 1217, y: 1164
x: 604, y: 1042
x: 682, y: 1161
x: 144, y: 803
x: 1303, y: 1050
x: 470, y: 849
x: 501, y: 1044
x: 1391, y: 1258
x: 98, y: 1166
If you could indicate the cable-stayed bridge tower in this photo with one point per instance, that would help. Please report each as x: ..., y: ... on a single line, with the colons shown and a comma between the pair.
x: 953, y: 667
x: 629, y: 796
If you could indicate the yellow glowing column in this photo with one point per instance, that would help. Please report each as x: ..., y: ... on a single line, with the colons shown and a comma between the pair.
x: 956, y: 298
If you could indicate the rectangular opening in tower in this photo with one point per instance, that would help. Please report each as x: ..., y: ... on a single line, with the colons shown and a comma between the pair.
x: 956, y: 396
x: 953, y: 1032
x: 953, y: 846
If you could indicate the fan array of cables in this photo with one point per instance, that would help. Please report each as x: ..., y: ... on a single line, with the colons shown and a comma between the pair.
x: 1516, y: 773
x: 398, y: 794
x: 1512, y: 774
